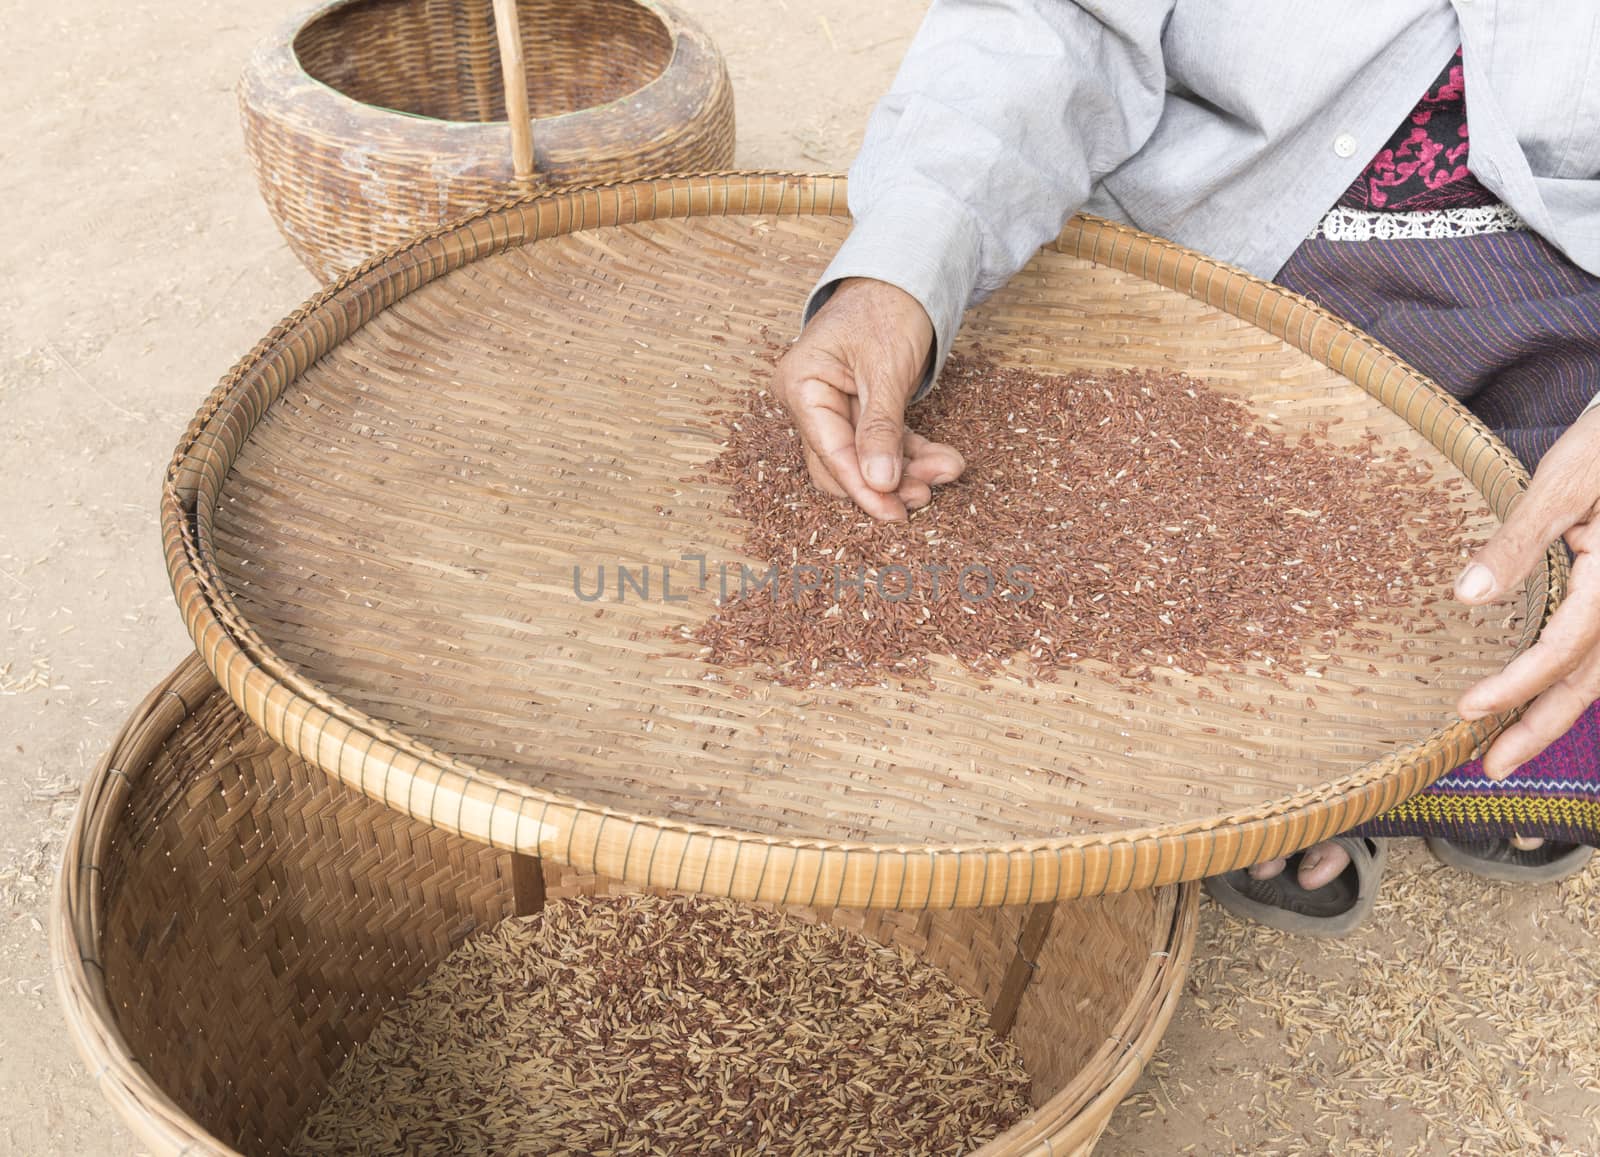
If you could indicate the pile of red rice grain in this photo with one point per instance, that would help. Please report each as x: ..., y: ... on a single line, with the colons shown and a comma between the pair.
x: 674, y: 1025
x: 1156, y: 522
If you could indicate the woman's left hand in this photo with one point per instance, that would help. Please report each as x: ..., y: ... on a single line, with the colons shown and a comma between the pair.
x: 1560, y: 674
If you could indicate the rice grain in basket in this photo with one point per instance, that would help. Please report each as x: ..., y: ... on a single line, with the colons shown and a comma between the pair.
x: 1138, y: 519
x: 650, y: 1024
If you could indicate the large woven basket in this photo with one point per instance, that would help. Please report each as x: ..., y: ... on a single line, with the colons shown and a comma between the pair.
x: 371, y: 121
x: 230, y: 923
x: 372, y: 528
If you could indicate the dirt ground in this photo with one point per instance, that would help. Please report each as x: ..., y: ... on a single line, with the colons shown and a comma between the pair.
x: 137, y: 263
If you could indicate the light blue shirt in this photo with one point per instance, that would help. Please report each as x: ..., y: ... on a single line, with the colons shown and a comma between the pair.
x: 1229, y: 126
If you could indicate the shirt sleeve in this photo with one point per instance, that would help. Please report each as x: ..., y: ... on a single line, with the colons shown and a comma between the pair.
x: 1002, y: 117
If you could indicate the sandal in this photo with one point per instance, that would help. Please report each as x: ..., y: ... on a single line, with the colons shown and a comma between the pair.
x: 1503, y: 861
x: 1335, y: 909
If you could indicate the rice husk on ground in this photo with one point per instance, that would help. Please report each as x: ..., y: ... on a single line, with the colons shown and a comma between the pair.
x: 674, y: 1025
x: 1460, y: 1020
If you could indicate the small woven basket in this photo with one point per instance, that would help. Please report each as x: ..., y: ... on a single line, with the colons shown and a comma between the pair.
x: 230, y: 923
x: 370, y: 121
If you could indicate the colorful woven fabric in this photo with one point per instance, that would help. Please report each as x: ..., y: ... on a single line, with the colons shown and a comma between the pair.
x: 1511, y: 327
x: 1503, y: 321
x: 1424, y: 164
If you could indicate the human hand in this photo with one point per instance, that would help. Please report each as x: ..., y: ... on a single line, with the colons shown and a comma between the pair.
x: 1560, y: 673
x: 846, y: 383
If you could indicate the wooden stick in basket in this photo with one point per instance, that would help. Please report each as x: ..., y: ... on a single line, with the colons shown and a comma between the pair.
x: 509, y: 33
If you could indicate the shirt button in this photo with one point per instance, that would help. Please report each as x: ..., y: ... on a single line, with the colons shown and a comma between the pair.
x: 1345, y: 145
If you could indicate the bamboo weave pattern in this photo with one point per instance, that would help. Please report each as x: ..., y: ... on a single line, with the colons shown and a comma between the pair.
x: 231, y: 923
x: 370, y: 121
x: 372, y: 528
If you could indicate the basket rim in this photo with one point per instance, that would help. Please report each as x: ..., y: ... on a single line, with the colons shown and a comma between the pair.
x: 458, y: 796
x: 1073, y: 1116
x: 277, y: 54
x: 76, y: 919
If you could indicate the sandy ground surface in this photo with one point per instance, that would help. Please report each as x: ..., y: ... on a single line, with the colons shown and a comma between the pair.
x: 138, y: 263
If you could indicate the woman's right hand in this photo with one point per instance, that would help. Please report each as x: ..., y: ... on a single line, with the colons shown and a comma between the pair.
x: 846, y: 383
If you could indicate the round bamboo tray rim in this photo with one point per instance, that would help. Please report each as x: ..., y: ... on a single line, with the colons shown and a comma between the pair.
x: 1068, y: 1121
x: 491, y: 808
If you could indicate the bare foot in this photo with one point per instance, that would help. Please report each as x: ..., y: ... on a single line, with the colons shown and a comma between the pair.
x: 1319, y: 866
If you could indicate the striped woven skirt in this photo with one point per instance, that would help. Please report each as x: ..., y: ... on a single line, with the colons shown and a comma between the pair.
x: 1512, y: 328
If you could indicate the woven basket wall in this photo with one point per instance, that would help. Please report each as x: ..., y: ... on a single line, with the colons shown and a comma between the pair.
x: 231, y: 922
x: 370, y: 121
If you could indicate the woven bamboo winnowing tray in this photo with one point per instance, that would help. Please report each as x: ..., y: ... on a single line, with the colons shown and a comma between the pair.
x: 230, y: 923
x: 372, y: 528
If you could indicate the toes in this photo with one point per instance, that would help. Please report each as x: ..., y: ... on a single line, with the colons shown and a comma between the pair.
x: 1321, y: 865
x: 1269, y: 869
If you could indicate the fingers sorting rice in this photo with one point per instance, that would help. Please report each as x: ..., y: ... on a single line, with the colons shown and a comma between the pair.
x: 1139, y: 519
x: 674, y: 1025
